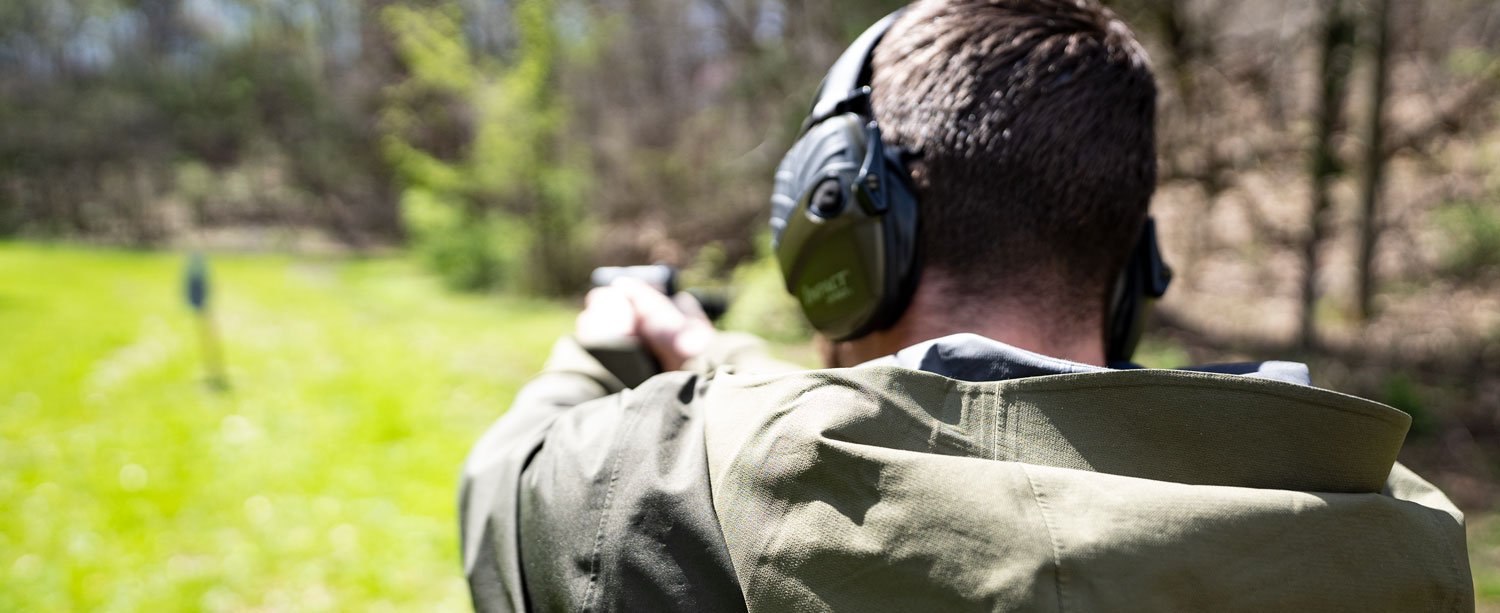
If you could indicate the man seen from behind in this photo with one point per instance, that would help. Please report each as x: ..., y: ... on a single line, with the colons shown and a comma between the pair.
x: 964, y: 219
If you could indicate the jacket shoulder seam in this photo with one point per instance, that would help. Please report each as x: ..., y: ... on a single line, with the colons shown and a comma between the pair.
x: 654, y: 389
x: 1036, y: 496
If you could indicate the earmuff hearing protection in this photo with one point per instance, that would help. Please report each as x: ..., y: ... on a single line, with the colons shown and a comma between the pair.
x: 843, y: 214
x: 844, y: 218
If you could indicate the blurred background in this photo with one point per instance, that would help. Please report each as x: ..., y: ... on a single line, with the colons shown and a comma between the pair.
x: 401, y: 200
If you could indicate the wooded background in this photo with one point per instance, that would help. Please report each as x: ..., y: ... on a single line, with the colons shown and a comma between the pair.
x: 1328, y: 193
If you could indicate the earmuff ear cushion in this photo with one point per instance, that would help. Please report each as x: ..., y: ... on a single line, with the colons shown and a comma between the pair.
x: 1125, y: 315
x: 903, y: 249
x: 1146, y: 276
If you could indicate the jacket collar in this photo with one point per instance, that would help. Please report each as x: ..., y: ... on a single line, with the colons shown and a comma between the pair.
x: 974, y: 358
x: 1167, y: 425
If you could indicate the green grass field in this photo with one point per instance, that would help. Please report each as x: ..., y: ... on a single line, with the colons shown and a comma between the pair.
x: 323, y: 479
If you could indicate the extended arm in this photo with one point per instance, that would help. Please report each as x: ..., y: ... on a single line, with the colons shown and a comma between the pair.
x: 533, y: 479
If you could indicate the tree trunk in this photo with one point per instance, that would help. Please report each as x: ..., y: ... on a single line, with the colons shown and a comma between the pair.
x: 1335, y: 58
x: 1370, y: 181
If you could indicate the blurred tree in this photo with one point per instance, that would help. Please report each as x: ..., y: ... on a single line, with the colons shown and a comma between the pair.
x: 491, y: 190
x: 101, y: 102
x: 1378, y: 26
x: 1335, y: 53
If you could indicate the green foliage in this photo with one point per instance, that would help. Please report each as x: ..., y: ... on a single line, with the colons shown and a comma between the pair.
x: 1473, y: 232
x: 433, y: 47
x: 1402, y: 392
x: 323, y: 480
x: 708, y: 268
x: 1155, y: 352
x: 471, y: 254
x: 1473, y: 62
x: 499, y: 204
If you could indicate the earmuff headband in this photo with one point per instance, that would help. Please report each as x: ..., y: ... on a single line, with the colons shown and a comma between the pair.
x: 848, y: 74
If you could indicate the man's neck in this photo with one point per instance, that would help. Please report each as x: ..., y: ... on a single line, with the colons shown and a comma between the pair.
x: 934, y: 313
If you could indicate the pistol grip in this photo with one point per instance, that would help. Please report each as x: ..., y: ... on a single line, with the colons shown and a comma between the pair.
x: 628, y: 360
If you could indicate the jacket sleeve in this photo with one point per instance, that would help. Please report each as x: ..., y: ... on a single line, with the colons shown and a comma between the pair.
x: 487, y: 492
x: 568, y: 427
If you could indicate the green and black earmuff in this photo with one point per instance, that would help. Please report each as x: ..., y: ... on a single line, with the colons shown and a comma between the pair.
x: 844, y: 218
x: 843, y: 215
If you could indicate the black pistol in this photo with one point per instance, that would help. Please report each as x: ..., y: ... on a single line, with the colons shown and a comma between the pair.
x: 664, y: 279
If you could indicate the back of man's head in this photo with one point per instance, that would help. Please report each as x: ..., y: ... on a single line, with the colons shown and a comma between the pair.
x: 1034, y: 121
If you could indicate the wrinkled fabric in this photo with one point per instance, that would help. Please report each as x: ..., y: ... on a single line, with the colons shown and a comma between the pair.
x: 611, y: 525
x: 887, y: 488
x: 588, y: 496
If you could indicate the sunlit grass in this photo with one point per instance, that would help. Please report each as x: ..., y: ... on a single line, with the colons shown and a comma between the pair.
x: 322, y: 480
x: 1484, y: 559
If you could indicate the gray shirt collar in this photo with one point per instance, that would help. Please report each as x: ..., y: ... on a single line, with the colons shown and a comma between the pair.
x: 971, y: 357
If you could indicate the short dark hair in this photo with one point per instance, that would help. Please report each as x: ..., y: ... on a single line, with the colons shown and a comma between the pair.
x: 1034, y: 121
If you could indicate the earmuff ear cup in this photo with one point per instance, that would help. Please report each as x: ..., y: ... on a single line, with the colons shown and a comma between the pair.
x: 832, y: 258
x: 845, y: 245
x: 830, y: 150
x: 1146, y: 276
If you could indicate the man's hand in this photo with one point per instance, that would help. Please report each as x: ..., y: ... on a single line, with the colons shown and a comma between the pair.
x: 674, y: 330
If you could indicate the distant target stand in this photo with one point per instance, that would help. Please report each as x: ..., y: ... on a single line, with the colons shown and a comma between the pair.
x: 198, y: 295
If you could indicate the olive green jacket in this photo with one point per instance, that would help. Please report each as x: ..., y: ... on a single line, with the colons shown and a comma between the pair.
x: 881, y: 488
